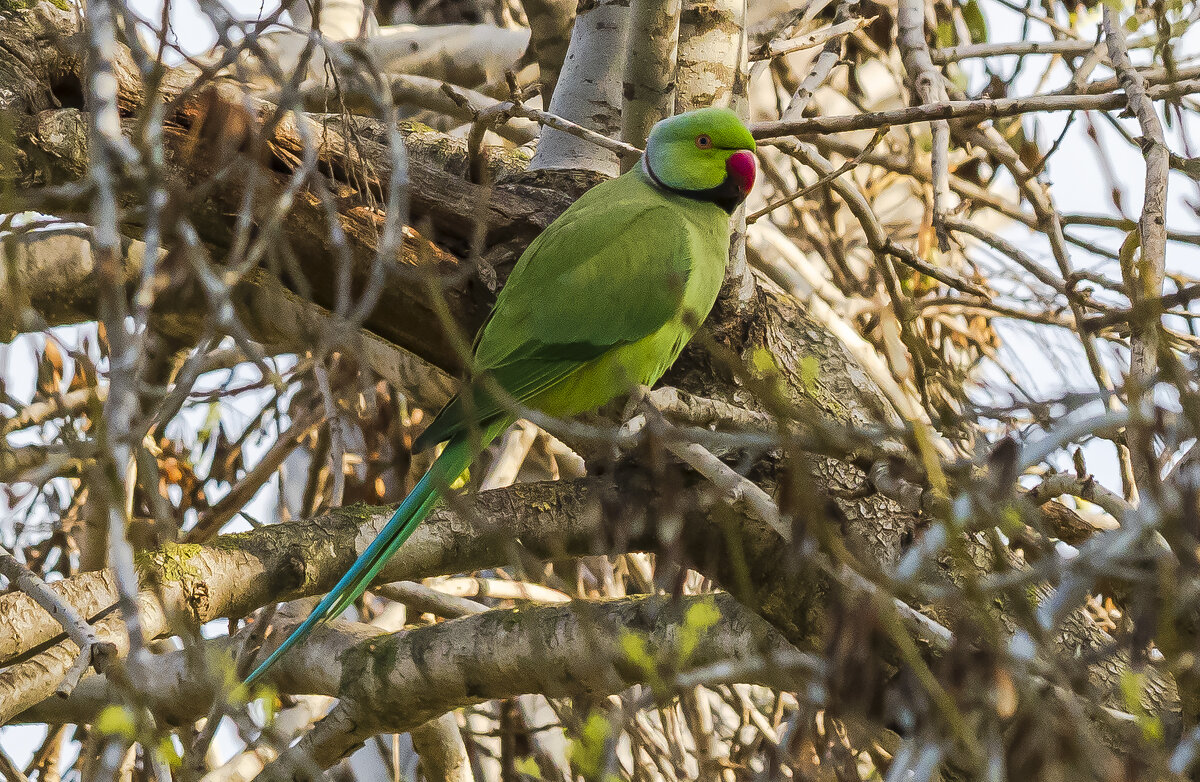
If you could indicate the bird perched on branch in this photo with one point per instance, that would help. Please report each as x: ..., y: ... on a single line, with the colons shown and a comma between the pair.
x: 602, y: 301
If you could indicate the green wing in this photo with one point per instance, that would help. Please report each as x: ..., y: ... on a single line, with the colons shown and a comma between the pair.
x: 610, y: 271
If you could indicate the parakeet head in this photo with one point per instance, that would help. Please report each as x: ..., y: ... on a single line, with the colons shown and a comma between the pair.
x: 707, y: 154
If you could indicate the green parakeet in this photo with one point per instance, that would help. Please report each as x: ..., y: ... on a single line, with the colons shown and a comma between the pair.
x: 602, y: 301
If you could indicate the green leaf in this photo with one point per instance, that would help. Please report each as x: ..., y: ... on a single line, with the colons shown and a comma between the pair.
x: 166, y: 749
x: 763, y: 362
x: 587, y: 754
x: 696, y: 622
x: 976, y: 23
x: 1129, y: 253
x: 116, y: 721
x: 528, y: 767
x: 945, y: 35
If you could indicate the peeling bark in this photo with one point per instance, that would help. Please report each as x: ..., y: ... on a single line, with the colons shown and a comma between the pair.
x: 711, y: 52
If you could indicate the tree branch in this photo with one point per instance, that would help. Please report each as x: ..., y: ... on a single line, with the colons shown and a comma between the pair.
x: 1145, y: 281
x: 649, y: 83
x: 557, y: 651
x: 982, y: 108
x: 92, y: 651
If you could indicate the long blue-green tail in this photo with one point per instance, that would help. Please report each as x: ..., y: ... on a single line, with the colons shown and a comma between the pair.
x: 446, y: 469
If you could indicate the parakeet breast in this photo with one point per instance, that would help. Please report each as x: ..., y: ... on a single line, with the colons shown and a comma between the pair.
x: 704, y: 231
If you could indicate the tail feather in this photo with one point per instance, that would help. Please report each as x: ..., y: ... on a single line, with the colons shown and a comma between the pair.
x: 454, y: 459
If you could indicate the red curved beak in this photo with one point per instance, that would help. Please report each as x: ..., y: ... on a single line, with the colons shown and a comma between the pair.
x: 741, y: 169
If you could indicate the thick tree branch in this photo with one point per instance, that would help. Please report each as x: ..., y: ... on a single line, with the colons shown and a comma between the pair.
x: 396, y: 683
x: 210, y: 140
x: 1143, y: 282
x: 649, y: 84
x: 191, y: 584
x: 92, y: 651
x: 712, y: 54
x: 50, y: 273
x: 550, y: 23
x: 237, y: 574
x: 588, y: 90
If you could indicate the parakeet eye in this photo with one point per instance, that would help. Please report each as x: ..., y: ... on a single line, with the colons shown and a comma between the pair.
x: 704, y: 141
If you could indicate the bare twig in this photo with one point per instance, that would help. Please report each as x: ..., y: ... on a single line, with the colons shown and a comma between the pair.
x: 927, y: 85
x: 110, y: 150
x: 737, y: 488
x: 92, y: 651
x: 830, y: 55
x: 984, y: 108
x: 518, y: 109
x: 425, y: 600
x: 1062, y: 46
x: 877, y: 238
x: 810, y: 40
x: 212, y: 521
x: 70, y: 403
x: 1085, y: 488
x: 824, y: 179
x: 337, y: 442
